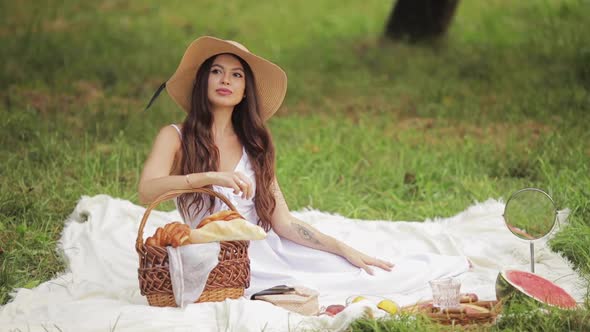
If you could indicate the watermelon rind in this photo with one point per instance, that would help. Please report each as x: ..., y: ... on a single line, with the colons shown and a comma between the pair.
x: 553, y: 295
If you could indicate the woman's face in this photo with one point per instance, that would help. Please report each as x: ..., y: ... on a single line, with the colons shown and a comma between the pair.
x: 226, y: 81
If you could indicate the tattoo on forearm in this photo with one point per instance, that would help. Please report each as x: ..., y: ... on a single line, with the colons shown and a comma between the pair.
x: 306, y: 234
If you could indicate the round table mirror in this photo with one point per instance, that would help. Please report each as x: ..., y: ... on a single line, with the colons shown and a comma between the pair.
x: 530, y: 214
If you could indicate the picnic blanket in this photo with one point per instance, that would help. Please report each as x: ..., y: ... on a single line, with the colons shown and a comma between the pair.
x: 99, y: 289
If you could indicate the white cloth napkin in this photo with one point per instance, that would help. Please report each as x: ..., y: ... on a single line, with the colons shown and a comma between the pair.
x: 190, y: 266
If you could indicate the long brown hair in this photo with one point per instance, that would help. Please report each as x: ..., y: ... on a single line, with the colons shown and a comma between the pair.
x: 201, y: 155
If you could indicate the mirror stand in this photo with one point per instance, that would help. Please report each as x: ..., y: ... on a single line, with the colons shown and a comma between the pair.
x: 530, y: 214
x: 532, y: 246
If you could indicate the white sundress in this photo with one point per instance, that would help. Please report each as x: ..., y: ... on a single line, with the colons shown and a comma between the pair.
x: 278, y: 261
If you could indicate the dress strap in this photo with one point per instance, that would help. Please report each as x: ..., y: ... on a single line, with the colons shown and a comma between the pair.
x: 178, y: 130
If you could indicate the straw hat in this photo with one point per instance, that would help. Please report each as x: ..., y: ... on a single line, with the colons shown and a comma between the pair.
x: 270, y: 79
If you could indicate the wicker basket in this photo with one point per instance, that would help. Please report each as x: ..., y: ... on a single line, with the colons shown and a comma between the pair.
x: 227, y: 280
x: 461, y: 317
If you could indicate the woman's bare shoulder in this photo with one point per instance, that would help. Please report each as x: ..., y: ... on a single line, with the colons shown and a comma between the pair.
x: 168, y: 135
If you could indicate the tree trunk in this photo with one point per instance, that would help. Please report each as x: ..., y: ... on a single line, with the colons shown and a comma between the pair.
x: 417, y: 20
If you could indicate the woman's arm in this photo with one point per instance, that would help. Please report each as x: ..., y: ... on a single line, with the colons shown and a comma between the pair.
x: 156, y: 180
x: 291, y: 228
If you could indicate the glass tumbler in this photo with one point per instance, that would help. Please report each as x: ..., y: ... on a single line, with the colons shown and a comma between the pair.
x: 446, y: 293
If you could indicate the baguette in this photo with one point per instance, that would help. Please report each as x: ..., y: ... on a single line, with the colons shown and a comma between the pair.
x: 221, y: 230
x: 225, y: 215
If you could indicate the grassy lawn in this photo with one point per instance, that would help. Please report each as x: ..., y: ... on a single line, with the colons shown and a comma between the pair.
x: 369, y: 129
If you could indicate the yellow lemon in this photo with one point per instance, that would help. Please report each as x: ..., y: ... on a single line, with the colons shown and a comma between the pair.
x: 357, y: 299
x: 389, y: 306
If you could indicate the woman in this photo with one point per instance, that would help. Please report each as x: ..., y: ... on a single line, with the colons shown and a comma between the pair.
x: 223, y: 143
x: 226, y: 112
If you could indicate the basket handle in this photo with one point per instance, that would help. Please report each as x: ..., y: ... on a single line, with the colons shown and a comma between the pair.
x: 168, y: 195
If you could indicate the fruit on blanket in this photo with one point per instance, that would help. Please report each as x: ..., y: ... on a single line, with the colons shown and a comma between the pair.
x: 389, y: 306
x: 334, y: 309
x: 225, y: 215
x: 514, y: 283
x: 357, y: 299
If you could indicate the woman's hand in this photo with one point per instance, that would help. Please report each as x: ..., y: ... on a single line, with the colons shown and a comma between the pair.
x: 363, y: 261
x: 234, y: 180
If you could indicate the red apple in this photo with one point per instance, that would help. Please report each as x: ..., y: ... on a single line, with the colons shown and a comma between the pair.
x: 334, y: 309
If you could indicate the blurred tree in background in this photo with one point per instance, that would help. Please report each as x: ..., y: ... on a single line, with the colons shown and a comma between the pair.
x: 416, y: 20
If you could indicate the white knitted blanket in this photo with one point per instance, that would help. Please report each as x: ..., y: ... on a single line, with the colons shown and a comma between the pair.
x: 99, y: 290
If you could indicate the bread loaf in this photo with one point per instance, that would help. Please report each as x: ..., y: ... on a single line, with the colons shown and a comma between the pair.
x: 173, y: 234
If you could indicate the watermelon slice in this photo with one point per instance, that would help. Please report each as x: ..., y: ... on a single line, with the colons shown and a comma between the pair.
x: 514, y: 282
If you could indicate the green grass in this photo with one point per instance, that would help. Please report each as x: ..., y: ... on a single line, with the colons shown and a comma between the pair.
x: 369, y: 129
